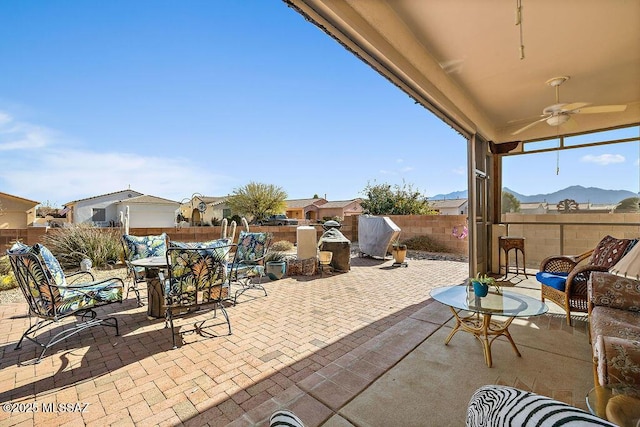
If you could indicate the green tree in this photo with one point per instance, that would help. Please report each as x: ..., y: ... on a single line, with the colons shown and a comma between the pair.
x: 628, y: 205
x: 383, y: 199
x: 510, y: 203
x: 256, y: 200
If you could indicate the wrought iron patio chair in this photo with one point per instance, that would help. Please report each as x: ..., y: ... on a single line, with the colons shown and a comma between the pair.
x: 564, y: 278
x: 137, y: 247
x: 52, y: 298
x: 248, y: 262
x: 196, y: 278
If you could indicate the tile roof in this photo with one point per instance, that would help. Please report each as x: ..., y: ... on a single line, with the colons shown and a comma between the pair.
x: 447, y: 203
x: 302, y: 203
x: 212, y: 200
x: 102, y: 195
x: 339, y: 203
x: 19, y: 198
x: 148, y: 199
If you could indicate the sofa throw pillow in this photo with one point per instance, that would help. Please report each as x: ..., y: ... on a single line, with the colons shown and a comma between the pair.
x: 609, y: 251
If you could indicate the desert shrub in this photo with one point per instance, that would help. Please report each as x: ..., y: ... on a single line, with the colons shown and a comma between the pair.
x: 7, y: 280
x: 71, y: 245
x: 424, y: 243
x: 281, y: 246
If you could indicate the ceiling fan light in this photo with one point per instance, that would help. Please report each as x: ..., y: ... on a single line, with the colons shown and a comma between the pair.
x: 558, y: 120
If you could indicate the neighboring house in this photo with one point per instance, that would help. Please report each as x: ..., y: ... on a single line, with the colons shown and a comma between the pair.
x: 101, y: 211
x: 205, y: 210
x: 16, y: 212
x: 450, y: 206
x: 340, y: 209
x: 304, y: 208
x: 319, y: 208
x: 534, y: 208
x: 148, y: 211
x: 589, y: 208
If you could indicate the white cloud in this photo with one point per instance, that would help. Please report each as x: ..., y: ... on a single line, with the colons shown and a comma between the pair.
x: 16, y: 135
x: 407, y: 169
x: 60, y: 174
x: 459, y: 170
x: 603, y: 159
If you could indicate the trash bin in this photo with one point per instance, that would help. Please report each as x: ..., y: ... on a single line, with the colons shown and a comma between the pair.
x: 334, y: 241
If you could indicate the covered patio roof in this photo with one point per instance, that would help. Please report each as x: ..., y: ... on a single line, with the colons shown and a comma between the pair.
x: 462, y: 59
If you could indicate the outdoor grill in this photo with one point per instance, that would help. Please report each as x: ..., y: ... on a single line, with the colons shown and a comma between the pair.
x: 334, y: 241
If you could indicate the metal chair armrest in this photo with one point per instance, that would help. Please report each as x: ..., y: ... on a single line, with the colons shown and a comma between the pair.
x: 78, y: 275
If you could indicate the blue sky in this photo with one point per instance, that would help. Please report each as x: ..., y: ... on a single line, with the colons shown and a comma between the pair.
x: 175, y: 98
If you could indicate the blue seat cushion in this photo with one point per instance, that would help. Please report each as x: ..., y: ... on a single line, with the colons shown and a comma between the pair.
x: 555, y: 280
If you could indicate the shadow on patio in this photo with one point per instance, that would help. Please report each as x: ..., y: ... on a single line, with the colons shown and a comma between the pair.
x: 314, y: 345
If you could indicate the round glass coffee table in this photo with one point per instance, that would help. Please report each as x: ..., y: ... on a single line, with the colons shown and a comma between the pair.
x: 505, y: 303
x: 618, y: 403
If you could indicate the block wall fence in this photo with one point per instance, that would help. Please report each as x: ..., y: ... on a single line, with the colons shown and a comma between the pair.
x: 544, y: 235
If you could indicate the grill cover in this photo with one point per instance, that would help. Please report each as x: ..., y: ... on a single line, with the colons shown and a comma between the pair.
x: 375, y: 233
x: 334, y: 241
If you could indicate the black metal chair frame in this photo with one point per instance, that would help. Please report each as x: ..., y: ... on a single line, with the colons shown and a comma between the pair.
x: 131, y: 272
x: 27, y: 281
x: 209, y: 284
x: 247, y: 283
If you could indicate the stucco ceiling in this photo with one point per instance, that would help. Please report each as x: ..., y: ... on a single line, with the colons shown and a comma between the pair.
x: 461, y: 58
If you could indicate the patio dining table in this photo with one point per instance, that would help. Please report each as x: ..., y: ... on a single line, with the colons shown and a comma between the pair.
x: 155, y: 292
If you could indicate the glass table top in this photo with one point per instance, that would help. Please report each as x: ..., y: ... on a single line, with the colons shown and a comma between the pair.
x: 505, y: 303
x: 619, y: 403
x: 151, y: 262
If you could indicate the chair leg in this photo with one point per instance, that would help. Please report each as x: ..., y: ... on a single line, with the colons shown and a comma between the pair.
x: 226, y: 316
x: 66, y: 333
x: 173, y: 333
x: 246, y: 286
x: 568, y: 310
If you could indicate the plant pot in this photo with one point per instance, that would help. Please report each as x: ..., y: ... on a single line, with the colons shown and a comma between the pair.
x: 399, y: 253
x: 275, y: 269
x: 480, y: 289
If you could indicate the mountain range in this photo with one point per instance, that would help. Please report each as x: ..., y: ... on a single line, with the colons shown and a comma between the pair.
x: 575, y: 192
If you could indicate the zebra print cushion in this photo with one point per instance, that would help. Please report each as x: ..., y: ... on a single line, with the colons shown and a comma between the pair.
x: 495, y: 405
x: 284, y: 418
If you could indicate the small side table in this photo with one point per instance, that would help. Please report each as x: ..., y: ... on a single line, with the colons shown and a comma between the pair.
x: 506, y: 244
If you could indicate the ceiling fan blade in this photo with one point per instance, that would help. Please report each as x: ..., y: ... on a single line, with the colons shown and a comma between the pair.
x: 574, y: 106
x: 530, y: 125
x: 570, y: 124
x: 527, y: 119
x: 601, y: 109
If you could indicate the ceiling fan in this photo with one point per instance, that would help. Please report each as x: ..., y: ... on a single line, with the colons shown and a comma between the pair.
x: 560, y: 114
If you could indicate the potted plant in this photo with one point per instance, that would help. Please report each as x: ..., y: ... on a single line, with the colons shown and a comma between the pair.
x: 398, y: 251
x: 275, y: 264
x: 481, y: 284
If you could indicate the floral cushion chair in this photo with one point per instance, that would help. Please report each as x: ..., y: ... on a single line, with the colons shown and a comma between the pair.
x: 248, y: 262
x: 138, y: 247
x: 52, y: 298
x: 196, y: 277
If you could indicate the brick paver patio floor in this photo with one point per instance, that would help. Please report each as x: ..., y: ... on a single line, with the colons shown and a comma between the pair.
x: 311, y: 345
